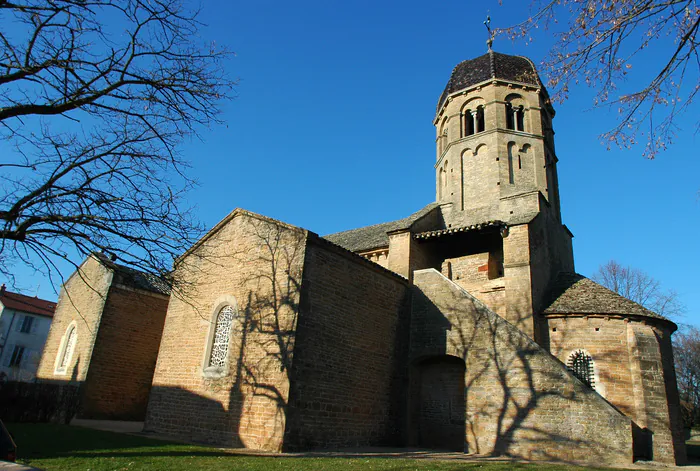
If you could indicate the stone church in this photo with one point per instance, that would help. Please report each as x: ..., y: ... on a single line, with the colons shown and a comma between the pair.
x: 461, y: 327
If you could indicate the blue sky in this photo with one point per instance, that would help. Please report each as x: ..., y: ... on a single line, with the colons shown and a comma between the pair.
x: 332, y: 130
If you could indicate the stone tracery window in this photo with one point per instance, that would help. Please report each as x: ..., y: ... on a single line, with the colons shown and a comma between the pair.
x: 222, y: 333
x: 581, y: 365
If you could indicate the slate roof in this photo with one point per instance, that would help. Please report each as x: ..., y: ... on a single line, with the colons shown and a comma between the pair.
x: 372, y: 237
x: 134, y: 278
x: 32, y: 305
x: 575, y: 294
x: 491, y: 65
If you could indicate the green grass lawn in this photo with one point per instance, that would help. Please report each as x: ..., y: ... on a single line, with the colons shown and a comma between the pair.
x: 60, y: 447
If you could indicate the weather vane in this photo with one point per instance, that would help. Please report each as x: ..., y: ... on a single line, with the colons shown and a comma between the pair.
x: 487, y: 23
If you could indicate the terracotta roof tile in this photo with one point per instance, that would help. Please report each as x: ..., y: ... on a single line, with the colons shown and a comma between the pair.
x: 32, y: 305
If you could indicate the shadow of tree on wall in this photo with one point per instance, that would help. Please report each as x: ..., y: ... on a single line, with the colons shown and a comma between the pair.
x: 521, y: 402
x: 271, y: 311
x: 259, y: 262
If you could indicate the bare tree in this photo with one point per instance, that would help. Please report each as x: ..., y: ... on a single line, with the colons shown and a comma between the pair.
x: 638, y: 286
x: 95, y: 97
x: 602, y: 40
x: 686, y: 346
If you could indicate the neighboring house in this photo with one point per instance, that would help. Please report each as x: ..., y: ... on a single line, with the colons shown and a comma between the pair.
x: 24, y: 325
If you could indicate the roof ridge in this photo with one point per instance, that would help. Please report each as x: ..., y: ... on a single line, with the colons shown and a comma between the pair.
x: 534, y: 69
x: 152, y: 282
x: 407, y: 218
x: 13, y: 293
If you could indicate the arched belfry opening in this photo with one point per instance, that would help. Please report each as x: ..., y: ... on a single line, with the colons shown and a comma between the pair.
x: 515, y: 112
x: 437, y: 405
x: 473, y: 118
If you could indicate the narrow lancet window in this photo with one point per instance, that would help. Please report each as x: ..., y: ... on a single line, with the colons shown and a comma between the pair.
x: 220, y: 342
x: 468, y: 123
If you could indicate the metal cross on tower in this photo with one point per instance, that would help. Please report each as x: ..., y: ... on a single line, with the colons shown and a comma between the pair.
x: 487, y: 23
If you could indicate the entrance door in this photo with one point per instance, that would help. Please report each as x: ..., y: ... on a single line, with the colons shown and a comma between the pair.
x: 438, y: 403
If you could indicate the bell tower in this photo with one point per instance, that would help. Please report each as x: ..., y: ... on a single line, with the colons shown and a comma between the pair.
x: 496, y: 166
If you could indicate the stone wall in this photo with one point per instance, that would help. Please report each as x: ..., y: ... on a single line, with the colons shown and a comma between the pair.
x: 346, y: 383
x: 479, y: 274
x: 520, y: 400
x: 631, y: 366
x: 80, y: 302
x: 518, y: 279
x: 255, y: 264
x: 124, y: 357
x: 675, y: 420
x: 660, y: 410
x: 468, y: 269
x: 606, y: 342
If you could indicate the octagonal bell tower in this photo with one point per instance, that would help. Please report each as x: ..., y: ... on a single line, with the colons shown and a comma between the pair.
x: 495, y: 147
x: 497, y: 166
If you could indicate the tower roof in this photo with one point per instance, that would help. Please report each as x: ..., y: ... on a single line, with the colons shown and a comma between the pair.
x: 491, y: 65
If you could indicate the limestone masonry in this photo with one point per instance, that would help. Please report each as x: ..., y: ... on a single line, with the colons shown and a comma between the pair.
x: 462, y: 326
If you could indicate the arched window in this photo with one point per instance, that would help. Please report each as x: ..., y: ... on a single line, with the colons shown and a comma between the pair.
x: 515, y: 113
x: 67, y: 348
x: 442, y: 137
x: 218, y: 354
x: 468, y: 123
x: 474, y: 121
x: 581, y: 365
x: 480, y: 124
